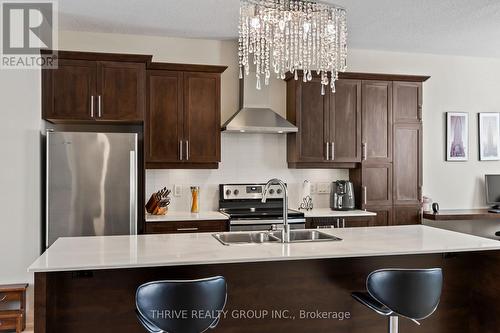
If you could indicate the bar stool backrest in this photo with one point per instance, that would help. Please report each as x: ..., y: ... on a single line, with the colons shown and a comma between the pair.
x: 190, y: 306
x: 411, y: 293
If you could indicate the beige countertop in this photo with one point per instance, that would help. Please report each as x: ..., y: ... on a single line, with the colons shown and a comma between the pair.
x: 327, y: 212
x: 186, y: 216
x: 111, y: 252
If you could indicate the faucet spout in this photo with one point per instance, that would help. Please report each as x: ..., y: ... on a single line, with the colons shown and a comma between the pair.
x: 285, y: 233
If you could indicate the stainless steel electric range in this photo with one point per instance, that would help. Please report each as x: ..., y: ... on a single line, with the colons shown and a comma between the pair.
x: 242, y: 204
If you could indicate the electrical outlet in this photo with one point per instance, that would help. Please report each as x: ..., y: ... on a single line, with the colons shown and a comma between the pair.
x: 177, y: 190
x: 323, y: 188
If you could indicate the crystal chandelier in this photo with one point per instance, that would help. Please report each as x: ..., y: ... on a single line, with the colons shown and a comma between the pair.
x: 292, y: 35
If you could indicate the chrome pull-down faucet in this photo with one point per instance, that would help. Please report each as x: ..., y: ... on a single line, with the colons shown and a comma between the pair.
x: 285, y: 233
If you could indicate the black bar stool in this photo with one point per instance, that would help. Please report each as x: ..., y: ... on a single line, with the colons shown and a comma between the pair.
x: 190, y: 306
x: 409, y: 293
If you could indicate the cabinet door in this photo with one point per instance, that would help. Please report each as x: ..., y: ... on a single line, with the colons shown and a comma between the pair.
x: 68, y: 91
x: 377, y: 121
x: 407, y: 215
x: 384, y: 215
x: 345, y: 121
x: 407, y: 102
x: 202, y: 117
x: 407, y: 164
x: 376, y: 184
x: 164, y: 118
x: 313, y: 122
x: 121, y: 86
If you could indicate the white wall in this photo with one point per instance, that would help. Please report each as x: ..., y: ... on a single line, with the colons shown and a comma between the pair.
x: 457, y: 84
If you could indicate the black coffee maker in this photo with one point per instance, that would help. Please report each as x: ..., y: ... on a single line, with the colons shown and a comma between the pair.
x: 342, y: 197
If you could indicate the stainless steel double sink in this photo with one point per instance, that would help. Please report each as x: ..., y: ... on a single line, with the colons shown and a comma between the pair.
x: 259, y: 237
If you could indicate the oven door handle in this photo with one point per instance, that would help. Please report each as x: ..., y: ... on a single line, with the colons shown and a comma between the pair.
x: 257, y: 222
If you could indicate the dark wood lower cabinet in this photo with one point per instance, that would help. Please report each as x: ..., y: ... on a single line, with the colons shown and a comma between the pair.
x: 333, y: 222
x: 104, y: 300
x: 186, y: 227
x: 404, y: 215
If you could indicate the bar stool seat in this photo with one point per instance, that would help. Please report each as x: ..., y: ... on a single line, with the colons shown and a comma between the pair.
x: 181, y: 306
x: 410, y: 293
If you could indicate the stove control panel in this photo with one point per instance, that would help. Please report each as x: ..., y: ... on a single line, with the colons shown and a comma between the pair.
x: 250, y: 191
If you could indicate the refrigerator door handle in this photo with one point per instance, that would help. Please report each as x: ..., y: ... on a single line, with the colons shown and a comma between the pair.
x: 133, y: 193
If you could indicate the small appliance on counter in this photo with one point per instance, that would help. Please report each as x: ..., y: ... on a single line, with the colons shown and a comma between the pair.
x: 342, y: 197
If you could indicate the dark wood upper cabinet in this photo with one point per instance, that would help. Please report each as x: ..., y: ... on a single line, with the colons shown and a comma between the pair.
x: 345, y: 121
x: 329, y: 125
x: 407, y: 105
x: 68, y: 92
x: 312, y: 121
x: 377, y: 121
x: 89, y: 87
x: 202, y: 117
x: 164, y: 119
x: 121, y: 88
x: 183, y: 116
x: 407, y: 164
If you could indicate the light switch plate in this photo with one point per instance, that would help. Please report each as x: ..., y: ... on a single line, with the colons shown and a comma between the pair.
x: 177, y: 190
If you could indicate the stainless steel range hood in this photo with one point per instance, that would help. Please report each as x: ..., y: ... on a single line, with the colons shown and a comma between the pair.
x: 257, y: 119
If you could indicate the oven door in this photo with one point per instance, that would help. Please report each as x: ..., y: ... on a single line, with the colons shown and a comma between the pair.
x: 265, y: 225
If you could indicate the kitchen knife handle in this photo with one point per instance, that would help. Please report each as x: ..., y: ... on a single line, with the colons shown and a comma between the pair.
x: 328, y: 151
x: 187, y: 150
x: 180, y: 150
x: 92, y: 106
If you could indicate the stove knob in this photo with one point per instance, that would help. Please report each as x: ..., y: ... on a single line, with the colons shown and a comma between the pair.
x: 271, y: 191
x: 279, y: 191
x: 228, y: 192
x: 236, y: 192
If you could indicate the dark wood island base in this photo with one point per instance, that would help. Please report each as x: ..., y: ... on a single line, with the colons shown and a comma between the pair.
x: 260, y: 292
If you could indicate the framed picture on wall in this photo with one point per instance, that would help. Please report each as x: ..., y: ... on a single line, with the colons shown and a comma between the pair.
x: 457, y: 136
x: 489, y: 136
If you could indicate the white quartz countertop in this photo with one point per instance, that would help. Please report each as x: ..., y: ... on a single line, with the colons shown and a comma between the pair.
x: 186, y: 216
x: 327, y: 212
x: 107, y: 252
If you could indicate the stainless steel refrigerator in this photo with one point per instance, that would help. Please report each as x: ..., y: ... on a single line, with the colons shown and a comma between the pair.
x: 91, y: 184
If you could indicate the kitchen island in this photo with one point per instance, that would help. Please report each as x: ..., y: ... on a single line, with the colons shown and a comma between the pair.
x: 88, y: 284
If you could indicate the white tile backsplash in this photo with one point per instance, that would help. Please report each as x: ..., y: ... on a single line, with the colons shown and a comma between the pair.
x: 245, y: 158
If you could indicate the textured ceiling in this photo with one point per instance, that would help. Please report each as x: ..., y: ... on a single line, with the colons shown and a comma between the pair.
x: 460, y: 27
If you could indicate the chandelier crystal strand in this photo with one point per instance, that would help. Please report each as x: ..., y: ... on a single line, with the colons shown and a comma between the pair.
x: 292, y: 35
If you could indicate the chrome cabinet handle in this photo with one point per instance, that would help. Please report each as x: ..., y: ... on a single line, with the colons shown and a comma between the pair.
x: 343, y: 223
x: 180, y: 150
x: 187, y: 229
x: 333, y: 150
x: 187, y: 150
x: 364, y: 151
x: 99, y: 104
x: 3, y: 298
x: 328, y: 151
x: 92, y: 106
x: 365, y: 190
